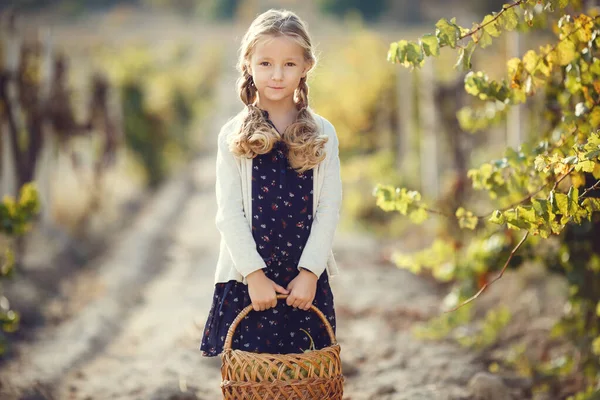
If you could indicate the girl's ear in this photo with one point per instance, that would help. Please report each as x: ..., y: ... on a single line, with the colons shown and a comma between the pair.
x: 307, y: 67
x: 305, y: 71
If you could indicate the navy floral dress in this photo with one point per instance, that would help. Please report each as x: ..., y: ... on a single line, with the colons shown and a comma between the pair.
x: 281, y: 222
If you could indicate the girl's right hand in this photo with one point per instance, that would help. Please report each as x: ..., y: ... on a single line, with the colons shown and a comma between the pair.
x: 263, y: 291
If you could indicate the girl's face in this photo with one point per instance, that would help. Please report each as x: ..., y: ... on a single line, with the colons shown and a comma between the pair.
x: 277, y: 65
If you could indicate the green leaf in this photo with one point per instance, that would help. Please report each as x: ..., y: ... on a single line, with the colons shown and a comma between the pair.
x: 560, y: 3
x: 430, y: 44
x: 527, y: 214
x: 392, y: 54
x: 591, y: 203
x: 508, y: 19
x: 592, y: 155
x: 447, y: 32
x: 573, y: 197
x: 485, y: 40
x: 513, y: 221
x: 497, y: 218
x: 464, y: 59
x: 414, y: 53
x: 560, y: 204
x: 491, y: 28
x: 401, y: 52
x: 7, y: 266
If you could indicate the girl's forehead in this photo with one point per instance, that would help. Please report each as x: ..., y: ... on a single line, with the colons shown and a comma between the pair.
x: 278, y: 47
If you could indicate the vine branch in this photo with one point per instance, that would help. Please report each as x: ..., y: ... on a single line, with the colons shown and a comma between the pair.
x: 590, y: 189
x: 486, y: 285
x: 480, y: 27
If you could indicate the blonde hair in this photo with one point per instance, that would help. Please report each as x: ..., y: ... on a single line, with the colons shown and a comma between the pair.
x: 306, y: 147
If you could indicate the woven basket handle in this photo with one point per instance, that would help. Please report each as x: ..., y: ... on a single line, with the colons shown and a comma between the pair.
x: 249, y: 308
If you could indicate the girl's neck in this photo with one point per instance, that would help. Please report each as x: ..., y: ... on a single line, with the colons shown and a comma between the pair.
x: 279, y: 110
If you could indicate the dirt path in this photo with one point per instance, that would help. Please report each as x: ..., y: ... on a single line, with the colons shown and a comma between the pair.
x: 137, y: 333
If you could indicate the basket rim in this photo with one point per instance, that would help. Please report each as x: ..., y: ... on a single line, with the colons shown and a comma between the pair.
x: 336, y: 346
x: 242, y: 314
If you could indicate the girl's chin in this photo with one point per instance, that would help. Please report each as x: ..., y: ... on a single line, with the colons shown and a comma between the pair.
x: 274, y: 96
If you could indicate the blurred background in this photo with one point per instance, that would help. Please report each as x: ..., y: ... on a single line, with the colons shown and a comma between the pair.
x: 112, y: 109
x: 154, y: 65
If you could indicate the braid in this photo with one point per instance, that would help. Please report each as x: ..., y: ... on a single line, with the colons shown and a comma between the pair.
x: 302, y: 94
x: 255, y: 135
x: 306, y: 146
x: 247, y: 90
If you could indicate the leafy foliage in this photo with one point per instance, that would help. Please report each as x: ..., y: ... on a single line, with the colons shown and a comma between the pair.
x: 164, y: 92
x: 547, y: 189
x: 15, y: 220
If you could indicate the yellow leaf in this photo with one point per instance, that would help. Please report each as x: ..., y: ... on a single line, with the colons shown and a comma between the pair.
x: 494, y: 367
x: 560, y: 169
x: 530, y: 59
x: 566, y: 52
x: 577, y: 179
x: 418, y: 216
x: 466, y: 219
x: 596, y: 346
x: 596, y: 171
x: 595, y: 118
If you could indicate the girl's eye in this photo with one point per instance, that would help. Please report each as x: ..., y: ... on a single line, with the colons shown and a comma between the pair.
x: 291, y: 64
x: 264, y: 63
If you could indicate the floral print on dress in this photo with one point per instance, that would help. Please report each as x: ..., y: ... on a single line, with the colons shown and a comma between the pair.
x: 281, y: 223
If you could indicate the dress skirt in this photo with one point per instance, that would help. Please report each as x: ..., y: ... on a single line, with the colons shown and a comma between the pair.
x: 278, y: 330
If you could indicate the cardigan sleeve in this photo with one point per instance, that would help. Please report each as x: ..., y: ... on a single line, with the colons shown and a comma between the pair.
x: 320, y: 240
x: 230, y: 218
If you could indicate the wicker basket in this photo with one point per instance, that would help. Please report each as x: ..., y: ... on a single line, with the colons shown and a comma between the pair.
x: 315, y: 374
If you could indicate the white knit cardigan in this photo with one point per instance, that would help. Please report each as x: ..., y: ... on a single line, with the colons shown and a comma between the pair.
x: 238, y: 256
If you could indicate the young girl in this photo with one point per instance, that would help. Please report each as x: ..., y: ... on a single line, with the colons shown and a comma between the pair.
x: 278, y: 192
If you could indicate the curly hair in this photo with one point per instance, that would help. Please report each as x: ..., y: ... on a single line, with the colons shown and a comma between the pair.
x: 306, y: 146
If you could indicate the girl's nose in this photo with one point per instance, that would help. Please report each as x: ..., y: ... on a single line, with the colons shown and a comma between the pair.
x: 277, y: 74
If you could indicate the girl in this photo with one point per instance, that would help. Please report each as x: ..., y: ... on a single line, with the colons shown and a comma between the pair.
x: 278, y: 192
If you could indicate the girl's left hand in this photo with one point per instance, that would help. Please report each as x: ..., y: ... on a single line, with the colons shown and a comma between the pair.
x: 303, y: 289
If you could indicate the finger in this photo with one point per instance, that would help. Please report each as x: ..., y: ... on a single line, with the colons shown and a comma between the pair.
x: 281, y: 289
x: 255, y: 307
x: 305, y: 305
x: 274, y: 302
x: 290, y: 300
x: 297, y: 302
x: 310, y: 303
